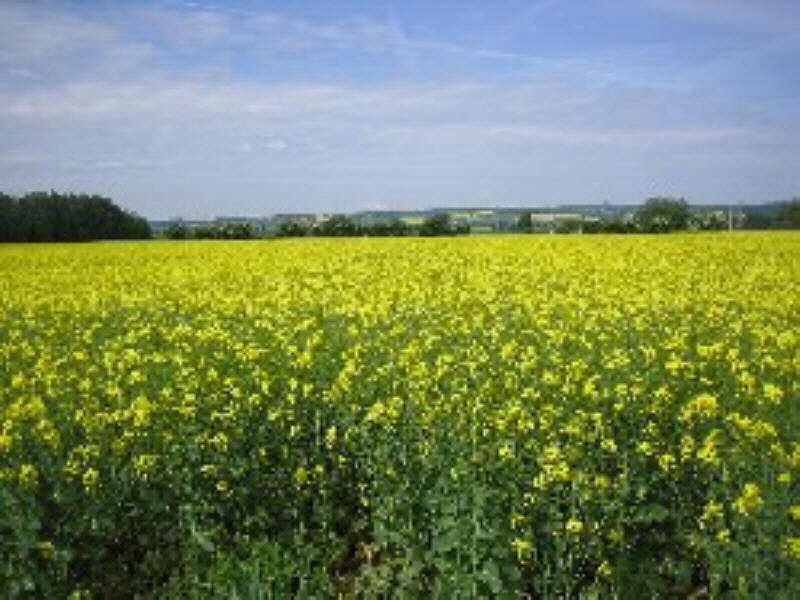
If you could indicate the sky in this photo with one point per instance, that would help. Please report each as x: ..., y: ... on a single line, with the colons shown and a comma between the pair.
x: 204, y: 109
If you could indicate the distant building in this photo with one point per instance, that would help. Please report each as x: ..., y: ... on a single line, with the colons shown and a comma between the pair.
x: 160, y: 226
x: 303, y: 218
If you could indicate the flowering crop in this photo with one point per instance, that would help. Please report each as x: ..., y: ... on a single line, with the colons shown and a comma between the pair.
x: 544, y: 415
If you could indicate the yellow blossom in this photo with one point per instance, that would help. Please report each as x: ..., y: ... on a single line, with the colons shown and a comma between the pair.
x: 522, y: 548
x: 574, y: 527
x: 28, y: 476
x: 90, y: 479
x: 749, y: 500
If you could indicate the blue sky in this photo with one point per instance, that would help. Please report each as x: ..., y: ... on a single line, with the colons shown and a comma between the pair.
x: 198, y: 109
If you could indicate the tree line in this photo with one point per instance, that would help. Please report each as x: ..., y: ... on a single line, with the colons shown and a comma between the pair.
x: 337, y: 226
x: 439, y: 224
x: 54, y: 217
x: 343, y: 226
x: 229, y: 231
x: 781, y: 215
x: 664, y: 215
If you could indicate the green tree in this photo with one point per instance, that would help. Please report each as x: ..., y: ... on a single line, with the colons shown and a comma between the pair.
x: 177, y: 231
x: 398, y: 227
x: 788, y: 216
x: 395, y: 227
x: 292, y: 229
x: 438, y: 224
x: 54, y: 217
x: 663, y: 214
x: 337, y: 226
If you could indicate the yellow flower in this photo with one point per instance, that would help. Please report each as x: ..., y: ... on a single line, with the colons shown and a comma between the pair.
x: 301, y: 475
x: 707, y: 453
x: 704, y: 404
x: 141, y: 409
x: 45, y: 549
x: 604, y: 570
x: 749, y: 500
x: 616, y: 535
x: 574, y: 527
x: 505, y: 452
x: 219, y: 442
x: 143, y: 465
x: 310, y: 352
x: 602, y: 482
x: 666, y: 462
x: 792, y: 547
x: 712, y: 512
x: 522, y: 548
x: 687, y: 447
x: 724, y: 536
x: 608, y: 445
x: 28, y: 476
x: 90, y: 478
x: 645, y: 448
x: 772, y: 393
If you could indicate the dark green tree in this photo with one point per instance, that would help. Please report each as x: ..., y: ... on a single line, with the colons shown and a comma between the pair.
x: 10, y: 227
x: 788, y: 216
x: 398, y: 227
x: 438, y: 224
x: 570, y: 225
x: 662, y: 214
x: 292, y: 229
x: 54, y: 217
x: 177, y: 231
x: 337, y: 226
x: 395, y: 227
x: 525, y: 223
x: 760, y: 218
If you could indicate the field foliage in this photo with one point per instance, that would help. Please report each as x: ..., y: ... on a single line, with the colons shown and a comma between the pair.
x: 520, y: 417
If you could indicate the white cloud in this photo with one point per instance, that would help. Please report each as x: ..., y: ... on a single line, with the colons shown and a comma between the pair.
x: 276, y: 144
x: 45, y: 45
x: 193, y: 121
x: 142, y: 102
x: 28, y: 32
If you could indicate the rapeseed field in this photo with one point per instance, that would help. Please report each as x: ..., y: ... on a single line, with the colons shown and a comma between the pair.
x: 515, y: 417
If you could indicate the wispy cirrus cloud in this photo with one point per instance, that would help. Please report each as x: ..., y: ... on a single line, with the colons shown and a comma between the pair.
x: 168, y: 106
